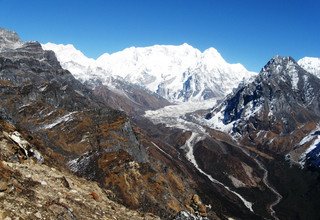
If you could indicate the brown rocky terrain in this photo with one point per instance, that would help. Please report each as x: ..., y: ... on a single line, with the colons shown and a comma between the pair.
x: 30, y: 189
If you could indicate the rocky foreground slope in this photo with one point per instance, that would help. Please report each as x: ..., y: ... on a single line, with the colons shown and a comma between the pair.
x: 75, y: 130
x: 31, y: 189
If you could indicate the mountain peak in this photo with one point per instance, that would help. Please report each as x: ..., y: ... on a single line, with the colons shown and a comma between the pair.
x: 279, y: 64
x: 281, y: 60
x: 310, y: 59
x: 70, y: 53
x: 9, y: 39
x: 10, y: 35
x: 214, y: 56
x: 186, y: 45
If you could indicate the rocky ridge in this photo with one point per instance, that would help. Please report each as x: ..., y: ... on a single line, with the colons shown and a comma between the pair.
x: 279, y: 108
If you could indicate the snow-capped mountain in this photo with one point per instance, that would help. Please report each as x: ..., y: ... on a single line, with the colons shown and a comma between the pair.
x: 81, y: 67
x: 276, y: 111
x: 177, y: 73
x: 311, y: 64
x: 118, y: 93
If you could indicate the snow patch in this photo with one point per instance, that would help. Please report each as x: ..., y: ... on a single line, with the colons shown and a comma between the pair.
x: 311, y: 141
x: 315, y: 138
x: 77, y: 164
x: 26, y: 146
x: 43, y: 88
x: 65, y: 118
x: 294, y: 80
x: 216, y: 122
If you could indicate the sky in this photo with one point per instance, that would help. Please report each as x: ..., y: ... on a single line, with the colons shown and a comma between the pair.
x: 243, y: 31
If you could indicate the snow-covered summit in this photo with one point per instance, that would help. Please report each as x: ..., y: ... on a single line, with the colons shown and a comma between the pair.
x: 73, y: 60
x: 311, y: 64
x: 68, y: 53
x: 151, y: 66
x: 177, y: 73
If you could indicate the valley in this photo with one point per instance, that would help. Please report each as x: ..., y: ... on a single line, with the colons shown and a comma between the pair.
x: 175, y: 116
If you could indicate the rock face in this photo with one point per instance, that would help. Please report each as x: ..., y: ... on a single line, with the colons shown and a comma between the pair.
x: 177, y: 73
x: 9, y: 40
x: 41, y: 96
x: 276, y: 111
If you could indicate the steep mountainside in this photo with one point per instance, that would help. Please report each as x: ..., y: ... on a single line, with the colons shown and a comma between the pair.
x: 31, y: 190
x: 177, y: 73
x: 127, y: 97
x: 311, y: 64
x: 67, y: 126
x: 61, y: 123
x: 279, y: 112
x: 277, y: 115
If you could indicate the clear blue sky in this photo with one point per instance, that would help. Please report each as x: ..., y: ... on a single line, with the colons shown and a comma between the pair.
x: 245, y: 31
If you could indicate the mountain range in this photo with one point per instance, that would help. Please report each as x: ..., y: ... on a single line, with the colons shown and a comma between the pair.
x: 157, y: 132
x: 177, y: 73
